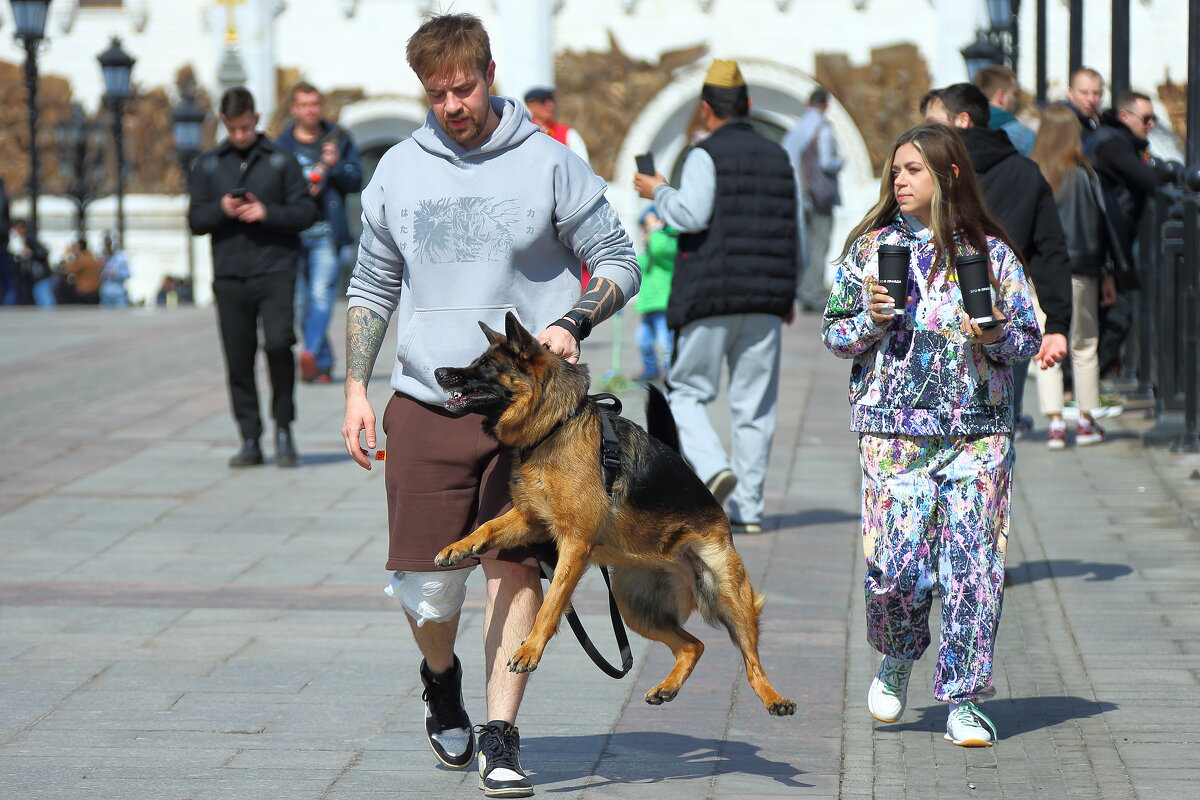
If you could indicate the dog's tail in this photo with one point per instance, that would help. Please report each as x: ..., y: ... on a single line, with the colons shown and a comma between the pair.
x: 660, y: 422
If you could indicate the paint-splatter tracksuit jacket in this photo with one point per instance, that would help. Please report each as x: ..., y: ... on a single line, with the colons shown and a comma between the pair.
x: 920, y: 375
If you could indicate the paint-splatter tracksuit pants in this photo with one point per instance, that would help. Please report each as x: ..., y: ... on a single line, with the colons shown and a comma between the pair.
x: 936, y: 512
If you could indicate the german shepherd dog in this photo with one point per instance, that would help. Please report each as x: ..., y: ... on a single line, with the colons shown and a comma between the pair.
x: 664, y: 536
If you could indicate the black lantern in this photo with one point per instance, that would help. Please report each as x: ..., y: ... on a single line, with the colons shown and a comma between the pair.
x: 117, y: 66
x: 187, y: 123
x: 30, y: 16
x: 980, y: 53
x: 1000, y: 14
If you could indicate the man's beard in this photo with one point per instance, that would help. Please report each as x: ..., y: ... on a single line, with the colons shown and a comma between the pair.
x: 465, y: 135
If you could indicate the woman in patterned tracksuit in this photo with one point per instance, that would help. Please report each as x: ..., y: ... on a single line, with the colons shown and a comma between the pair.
x: 931, y: 397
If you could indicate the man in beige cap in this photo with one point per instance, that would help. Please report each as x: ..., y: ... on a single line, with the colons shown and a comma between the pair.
x: 735, y: 280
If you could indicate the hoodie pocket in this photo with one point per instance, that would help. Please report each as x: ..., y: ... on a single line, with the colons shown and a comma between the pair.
x: 448, y: 336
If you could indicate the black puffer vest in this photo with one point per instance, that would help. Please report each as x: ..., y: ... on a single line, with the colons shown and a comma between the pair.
x: 745, y: 261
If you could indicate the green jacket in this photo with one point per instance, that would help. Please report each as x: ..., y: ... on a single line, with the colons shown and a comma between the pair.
x: 658, y: 265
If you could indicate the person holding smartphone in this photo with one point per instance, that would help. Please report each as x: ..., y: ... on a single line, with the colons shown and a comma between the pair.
x: 932, y: 399
x: 331, y: 164
x: 250, y: 196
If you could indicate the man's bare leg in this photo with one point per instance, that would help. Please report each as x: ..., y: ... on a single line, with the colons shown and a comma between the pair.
x: 514, y: 594
x: 435, y: 640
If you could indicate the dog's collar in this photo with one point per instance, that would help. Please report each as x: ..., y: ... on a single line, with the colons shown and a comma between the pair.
x: 574, y: 412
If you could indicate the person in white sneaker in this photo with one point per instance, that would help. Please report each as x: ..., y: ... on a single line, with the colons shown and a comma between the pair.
x: 932, y: 400
x: 1096, y: 257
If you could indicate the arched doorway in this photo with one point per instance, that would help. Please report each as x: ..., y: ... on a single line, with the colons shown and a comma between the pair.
x: 778, y: 95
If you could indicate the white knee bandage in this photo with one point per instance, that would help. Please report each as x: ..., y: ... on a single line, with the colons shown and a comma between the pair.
x: 430, y: 596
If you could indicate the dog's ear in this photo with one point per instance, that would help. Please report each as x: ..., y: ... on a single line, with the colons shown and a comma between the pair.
x: 519, y: 339
x: 492, y: 337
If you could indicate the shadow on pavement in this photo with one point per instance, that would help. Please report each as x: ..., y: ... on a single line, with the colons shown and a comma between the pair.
x: 645, y: 758
x: 1012, y: 716
x: 321, y: 459
x: 811, y: 516
x: 1032, y: 571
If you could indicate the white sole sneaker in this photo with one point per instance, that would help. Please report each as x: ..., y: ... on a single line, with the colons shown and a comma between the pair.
x: 967, y: 726
x: 888, y: 695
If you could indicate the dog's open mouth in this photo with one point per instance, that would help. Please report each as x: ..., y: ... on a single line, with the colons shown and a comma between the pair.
x: 464, y: 400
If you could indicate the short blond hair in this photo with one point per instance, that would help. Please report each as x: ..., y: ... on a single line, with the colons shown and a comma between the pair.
x: 447, y: 43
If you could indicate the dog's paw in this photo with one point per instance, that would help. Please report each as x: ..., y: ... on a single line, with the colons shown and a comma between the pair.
x: 784, y: 708
x: 452, y: 555
x: 524, y: 659
x: 661, y: 694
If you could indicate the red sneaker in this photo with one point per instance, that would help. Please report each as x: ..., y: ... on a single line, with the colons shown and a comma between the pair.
x: 1056, y: 436
x: 308, y: 366
x: 1088, y: 432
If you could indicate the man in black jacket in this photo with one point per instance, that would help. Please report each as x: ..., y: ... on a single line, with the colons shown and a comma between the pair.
x: 252, y: 198
x: 1019, y: 198
x: 735, y: 279
x: 1120, y: 152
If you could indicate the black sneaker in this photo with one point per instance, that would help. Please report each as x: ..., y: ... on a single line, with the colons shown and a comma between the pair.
x: 446, y: 721
x: 500, y: 773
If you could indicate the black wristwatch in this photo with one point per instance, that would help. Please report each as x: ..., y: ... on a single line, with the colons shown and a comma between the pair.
x: 577, y: 323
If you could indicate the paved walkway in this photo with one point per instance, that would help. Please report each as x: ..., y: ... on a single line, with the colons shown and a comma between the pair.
x: 170, y: 628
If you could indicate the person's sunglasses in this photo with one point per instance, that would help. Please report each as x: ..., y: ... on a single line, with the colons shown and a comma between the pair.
x: 1149, y: 119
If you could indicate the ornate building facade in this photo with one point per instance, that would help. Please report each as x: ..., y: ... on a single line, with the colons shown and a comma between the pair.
x: 628, y: 74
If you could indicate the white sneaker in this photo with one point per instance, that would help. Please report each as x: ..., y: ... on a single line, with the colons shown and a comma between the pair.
x: 889, y: 690
x: 967, y: 726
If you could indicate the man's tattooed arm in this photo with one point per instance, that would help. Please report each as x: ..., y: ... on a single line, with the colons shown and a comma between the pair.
x: 601, y: 299
x: 364, y: 336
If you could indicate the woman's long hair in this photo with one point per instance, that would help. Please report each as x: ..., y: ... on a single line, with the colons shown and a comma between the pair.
x: 1058, y: 149
x: 958, y: 206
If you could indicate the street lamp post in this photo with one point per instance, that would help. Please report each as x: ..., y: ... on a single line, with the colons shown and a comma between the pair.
x: 81, y: 142
x: 30, y: 17
x: 979, y: 54
x: 116, y: 66
x: 187, y: 123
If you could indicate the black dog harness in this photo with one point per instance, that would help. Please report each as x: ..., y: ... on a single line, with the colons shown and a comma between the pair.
x: 547, y: 556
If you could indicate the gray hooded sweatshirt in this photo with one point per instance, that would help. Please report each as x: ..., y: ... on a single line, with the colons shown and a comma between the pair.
x: 452, y: 237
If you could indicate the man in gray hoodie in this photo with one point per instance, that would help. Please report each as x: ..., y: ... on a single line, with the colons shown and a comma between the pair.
x: 476, y: 215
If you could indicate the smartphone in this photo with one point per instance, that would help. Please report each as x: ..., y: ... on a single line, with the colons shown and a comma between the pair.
x: 238, y: 194
x: 645, y: 163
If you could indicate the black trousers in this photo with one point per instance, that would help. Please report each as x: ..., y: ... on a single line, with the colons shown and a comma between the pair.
x: 241, y: 303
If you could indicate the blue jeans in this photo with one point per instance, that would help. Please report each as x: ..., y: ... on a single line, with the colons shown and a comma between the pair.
x: 316, y: 286
x: 653, y: 329
x: 43, y: 293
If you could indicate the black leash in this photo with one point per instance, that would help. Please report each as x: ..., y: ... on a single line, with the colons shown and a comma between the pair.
x: 573, y: 620
x: 547, y: 556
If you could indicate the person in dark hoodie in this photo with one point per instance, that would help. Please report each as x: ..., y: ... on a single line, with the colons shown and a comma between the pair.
x: 1022, y: 202
x: 251, y: 197
x: 1120, y: 152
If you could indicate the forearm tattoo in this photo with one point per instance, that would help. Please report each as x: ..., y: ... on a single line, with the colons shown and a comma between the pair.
x: 364, y: 335
x: 601, y: 299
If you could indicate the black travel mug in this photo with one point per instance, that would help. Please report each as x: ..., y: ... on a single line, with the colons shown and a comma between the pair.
x: 976, y: 288
x: 893, y: 274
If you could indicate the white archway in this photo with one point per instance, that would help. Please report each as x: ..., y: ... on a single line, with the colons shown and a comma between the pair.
x: 778, y: 94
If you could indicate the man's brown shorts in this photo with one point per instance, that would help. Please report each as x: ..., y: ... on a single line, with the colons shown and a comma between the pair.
x: 445, y: 477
